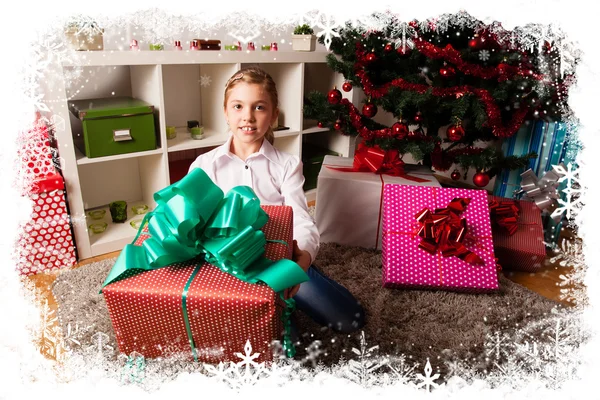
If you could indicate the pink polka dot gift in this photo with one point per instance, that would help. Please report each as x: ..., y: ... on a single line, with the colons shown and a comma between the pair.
x: 437, y: 238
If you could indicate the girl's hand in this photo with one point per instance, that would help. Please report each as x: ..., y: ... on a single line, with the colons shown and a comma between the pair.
x: 302, y: 258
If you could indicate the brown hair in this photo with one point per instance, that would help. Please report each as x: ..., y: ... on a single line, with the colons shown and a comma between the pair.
x: 258, y: 76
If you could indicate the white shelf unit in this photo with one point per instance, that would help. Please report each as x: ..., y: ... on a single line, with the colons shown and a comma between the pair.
x: 171, y: 81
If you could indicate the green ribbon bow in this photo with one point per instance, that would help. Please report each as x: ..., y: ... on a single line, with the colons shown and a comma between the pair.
x: 193, y: 217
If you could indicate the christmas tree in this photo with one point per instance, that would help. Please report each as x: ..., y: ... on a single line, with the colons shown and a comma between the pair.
x: 480, y: 81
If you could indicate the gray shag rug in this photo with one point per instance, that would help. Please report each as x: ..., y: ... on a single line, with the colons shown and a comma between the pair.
x: 417, y: 323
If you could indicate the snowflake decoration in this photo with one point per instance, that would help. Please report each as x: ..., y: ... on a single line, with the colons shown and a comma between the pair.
x: 246, y: 372
x: 404, y: 34
x: 327, y: 23
x: 570, y: 254
x: 361, y: 371
x: 573, y: 202
x: 498, y: 344
x: 100, y: 346
x: 205, y: 80
x: 510, y: 372
x: 484, y: 55
x: 245, y: 34
x: 427, y: 380
x: 401, y: 370
x: 531, y: 353
x: 49, y: 331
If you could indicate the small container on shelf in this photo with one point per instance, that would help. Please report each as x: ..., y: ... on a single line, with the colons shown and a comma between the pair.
x: 178, y: 45
x: 98, y: 227
x: 208, y: 44
x: 171, y: 132
x: 118, y: 211
x: 265, y: 47
x: 192, y: 124
x: 251, y: 46
x: 194, y: 45
x: 135, y: 224
x: 140, y: 209
x: 197, y: 132
x: 274, y: 46
x: 156, y: 46
x: 134, y: 45
x: 96, y: 214
x: 112, y: 125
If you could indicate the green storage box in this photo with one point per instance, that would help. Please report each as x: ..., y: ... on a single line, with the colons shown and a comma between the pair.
x: 312, y: 159
x: 111, y: 126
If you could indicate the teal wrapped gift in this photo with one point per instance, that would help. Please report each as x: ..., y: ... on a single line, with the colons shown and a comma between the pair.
x: 206, y: 273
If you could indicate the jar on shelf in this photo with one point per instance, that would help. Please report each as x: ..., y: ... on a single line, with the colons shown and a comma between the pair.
x: 197, y: 132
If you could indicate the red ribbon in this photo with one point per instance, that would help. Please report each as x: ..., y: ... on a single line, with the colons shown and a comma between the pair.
x: 445, y: 230
x: 378, y: 161
x: 47, y: 184
x: 505, y: 215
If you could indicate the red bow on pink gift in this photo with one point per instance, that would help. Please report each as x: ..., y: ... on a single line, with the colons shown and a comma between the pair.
x: 505, y: 214
x: 444, y: 231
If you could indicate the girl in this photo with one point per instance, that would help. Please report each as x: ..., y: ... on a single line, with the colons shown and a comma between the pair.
x: 249, y: 158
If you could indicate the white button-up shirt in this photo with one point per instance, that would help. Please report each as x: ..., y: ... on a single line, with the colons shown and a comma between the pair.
x: 276, y: 178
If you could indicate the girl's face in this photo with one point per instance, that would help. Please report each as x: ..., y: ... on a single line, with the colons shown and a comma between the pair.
x: 249, y: 112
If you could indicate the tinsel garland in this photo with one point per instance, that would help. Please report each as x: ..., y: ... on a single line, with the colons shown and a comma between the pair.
x: 492, y: 110
x: 502, y: 72
x: 370, y: 134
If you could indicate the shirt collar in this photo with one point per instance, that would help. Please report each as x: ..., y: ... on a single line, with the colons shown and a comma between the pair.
x: 267, y: 150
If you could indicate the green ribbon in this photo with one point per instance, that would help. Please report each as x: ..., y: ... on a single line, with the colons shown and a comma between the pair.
x: 193, y: 218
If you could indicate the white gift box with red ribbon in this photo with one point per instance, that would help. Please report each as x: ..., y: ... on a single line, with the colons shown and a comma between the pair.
x: 349, y: 207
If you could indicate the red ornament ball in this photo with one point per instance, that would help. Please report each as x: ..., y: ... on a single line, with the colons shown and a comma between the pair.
x: 455, y: 175
x: 418, y: 118
x: 447, y: 72
x: 455, y: 133
x: 473, y: 43
x: 320, y: 124
x: 481, y: 179
x: 399, y: 130
x: 369, y: 110
x: 334, y: 96
x: 388, y: 48
x: 371, y: 57
x: 347, y: 86
x: 337, y: 125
